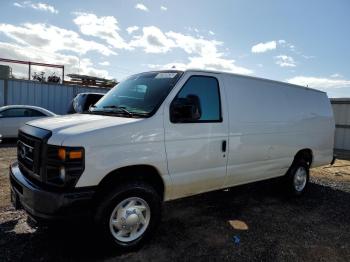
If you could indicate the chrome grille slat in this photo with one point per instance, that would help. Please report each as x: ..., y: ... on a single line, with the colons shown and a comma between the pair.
x: 31, y: 147
x: 29, y: 159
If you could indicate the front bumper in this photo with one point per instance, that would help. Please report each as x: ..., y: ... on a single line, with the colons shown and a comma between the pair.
x: 44, y: 204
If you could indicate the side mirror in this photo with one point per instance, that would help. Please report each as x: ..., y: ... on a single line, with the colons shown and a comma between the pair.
x: 185, y: 110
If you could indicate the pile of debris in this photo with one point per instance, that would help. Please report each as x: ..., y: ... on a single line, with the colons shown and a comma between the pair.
x: 85, y: 80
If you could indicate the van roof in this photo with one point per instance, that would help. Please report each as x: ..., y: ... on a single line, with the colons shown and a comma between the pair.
x: 252, y: 77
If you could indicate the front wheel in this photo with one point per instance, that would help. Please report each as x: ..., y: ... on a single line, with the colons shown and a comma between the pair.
x: 297, y: 178
x: 129, y: 215
x: 130, y: 219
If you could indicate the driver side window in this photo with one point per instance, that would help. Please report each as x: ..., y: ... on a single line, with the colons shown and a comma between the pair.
x: 197, y: 101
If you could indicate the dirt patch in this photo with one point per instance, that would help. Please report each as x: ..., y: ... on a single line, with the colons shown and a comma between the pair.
x: 255, y: 222
x: 336, y: 176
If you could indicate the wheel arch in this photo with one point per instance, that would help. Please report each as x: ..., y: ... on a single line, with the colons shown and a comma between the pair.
x: 145, y: 173
x: 305, y: 154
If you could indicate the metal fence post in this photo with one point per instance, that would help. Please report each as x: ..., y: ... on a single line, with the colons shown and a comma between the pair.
x: 5, y: 92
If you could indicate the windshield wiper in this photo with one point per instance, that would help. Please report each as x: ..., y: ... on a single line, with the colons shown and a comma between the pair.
x: 121, y: 108
x: 118, y: 109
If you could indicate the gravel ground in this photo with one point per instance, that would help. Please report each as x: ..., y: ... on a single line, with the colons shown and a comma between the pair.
x: 267, y: 225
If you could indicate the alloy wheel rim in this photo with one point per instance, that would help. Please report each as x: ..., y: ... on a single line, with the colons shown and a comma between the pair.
x: 130, y: 219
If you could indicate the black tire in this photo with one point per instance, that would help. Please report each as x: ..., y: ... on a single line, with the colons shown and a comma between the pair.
x: 290, y: 178
x: 107, y: 204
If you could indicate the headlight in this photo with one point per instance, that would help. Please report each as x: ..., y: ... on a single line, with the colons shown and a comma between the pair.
x: 64, y: 165
x: 62, y: 174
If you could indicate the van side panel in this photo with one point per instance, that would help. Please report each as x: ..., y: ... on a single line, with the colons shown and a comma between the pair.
x: 269, y: 123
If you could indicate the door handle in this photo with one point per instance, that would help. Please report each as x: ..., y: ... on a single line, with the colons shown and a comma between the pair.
x: 223, y: 146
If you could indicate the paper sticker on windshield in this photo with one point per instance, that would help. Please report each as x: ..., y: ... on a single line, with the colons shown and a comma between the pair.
x: 165, y: 75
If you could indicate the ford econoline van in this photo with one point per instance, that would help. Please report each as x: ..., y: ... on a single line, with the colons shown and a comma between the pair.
x: 164, y: 135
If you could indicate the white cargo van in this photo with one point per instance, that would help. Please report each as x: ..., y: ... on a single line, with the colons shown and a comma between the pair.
x: 164, y: 135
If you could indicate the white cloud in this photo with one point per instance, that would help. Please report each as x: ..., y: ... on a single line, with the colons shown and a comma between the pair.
x: 193, y: 45
x: 280, y: 44
x: 207, y: 63
x: 132, y: 29
x: 264, y: 47
x: 163, y: 8
x: 37, y: 6
x: 285, y: 61
x: 50, y: 38
x: 217, y: 63
x: 211, y: 32
x: 44, y: 7
x: 18, y: 5
x: 204, y: 53
x: 141, y: 7
x: 104, y: 63
x: 336, y: 75
x: 322, y: 83
x: 104, y: 27
x: 285, y: 44
x: 87, y: 68
x: 152, y: 40
x: 292, y: 48
x: 55, y: 41
x: 73, y: 64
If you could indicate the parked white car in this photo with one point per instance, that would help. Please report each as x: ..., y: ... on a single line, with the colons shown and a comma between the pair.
x: 165, y: 135
x: 14, y: 116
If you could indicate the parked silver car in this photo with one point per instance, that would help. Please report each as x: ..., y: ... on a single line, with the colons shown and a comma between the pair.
x: 14, y: 116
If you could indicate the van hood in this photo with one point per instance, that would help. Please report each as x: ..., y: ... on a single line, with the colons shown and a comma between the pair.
x: 80, y: 123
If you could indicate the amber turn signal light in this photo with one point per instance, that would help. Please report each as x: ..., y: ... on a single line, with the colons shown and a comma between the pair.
x: 62, y: 153
x: 75, y: 155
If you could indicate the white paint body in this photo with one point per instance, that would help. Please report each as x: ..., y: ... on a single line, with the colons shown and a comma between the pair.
x: 9, y: 125
x: 264, y: 122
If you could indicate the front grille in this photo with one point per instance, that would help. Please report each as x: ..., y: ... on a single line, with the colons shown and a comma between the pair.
x: 28, y: 154
x: 30, y: 151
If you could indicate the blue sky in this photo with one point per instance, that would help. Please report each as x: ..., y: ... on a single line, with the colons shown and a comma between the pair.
x: 303, y: 42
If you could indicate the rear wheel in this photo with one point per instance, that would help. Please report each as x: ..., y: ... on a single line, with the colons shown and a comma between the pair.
x: 128, y: 215
x: 297, y: 178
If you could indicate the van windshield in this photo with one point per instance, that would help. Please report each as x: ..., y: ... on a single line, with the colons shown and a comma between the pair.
x: 138, y: 96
